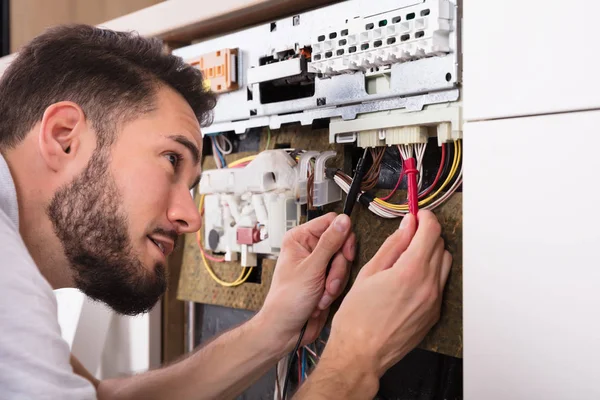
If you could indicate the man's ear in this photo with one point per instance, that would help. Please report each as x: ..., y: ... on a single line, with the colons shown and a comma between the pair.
x: 60, y: 133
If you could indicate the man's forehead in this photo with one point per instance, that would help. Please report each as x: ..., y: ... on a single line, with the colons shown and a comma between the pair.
x: 174, y: 110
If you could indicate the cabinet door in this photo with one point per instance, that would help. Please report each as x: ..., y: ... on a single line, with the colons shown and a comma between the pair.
x: 530, y: 57
x: 532, y: 258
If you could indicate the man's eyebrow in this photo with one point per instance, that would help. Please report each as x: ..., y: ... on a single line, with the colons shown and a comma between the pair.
x: 189, y: 145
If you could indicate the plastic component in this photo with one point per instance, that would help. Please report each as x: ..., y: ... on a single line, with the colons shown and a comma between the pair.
x: 219, y: 69
x: 397, y: 36
x: 369, y: 128
x: 248, y: 210
x: 369, y: 139
x: 301, y: 195
x: 406, y: 135
x: 410, y: 169
x: 325, y: 191
x: 247, y: 235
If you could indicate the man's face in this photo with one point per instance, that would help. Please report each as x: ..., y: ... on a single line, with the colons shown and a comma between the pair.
x: 120, y: 218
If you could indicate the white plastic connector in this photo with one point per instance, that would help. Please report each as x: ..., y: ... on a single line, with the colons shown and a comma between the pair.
x: 325, y: 191
x: 406, y: 135
x: 446, y: 134
x: 369, y: 139
x: 301, y: 196
x: 247, y: 211
x: 447, y: 118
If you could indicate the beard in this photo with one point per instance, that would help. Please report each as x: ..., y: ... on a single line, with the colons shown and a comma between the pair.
x: 92, y: 228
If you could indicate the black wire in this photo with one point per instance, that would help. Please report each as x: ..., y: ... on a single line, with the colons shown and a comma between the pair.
x: 348, y: 206
x: 292, y: 359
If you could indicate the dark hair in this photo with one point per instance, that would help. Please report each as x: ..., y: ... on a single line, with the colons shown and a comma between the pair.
x: 112, y: 76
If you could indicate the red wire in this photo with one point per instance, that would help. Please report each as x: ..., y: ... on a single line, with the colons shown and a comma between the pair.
x: 395, y: 187
x: 439, y: 173
x: 208, y: 256
x: 390, y: 194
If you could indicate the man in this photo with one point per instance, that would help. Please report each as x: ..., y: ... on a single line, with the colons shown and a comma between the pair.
x: 100, y: 141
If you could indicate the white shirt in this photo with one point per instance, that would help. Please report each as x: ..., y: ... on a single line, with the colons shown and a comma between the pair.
x: 34, y: 359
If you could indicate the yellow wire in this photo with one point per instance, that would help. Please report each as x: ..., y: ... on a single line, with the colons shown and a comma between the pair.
x: 453, y: 170
x: 243, y: 277
x: 241, y: 161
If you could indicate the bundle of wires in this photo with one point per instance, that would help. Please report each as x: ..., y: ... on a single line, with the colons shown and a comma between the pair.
x: 306, y: 361
x: 221, y: 146
x: 442, y: 188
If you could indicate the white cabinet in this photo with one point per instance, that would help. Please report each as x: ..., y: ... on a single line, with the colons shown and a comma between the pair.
x: 532, y: 258
x: 530, y: 57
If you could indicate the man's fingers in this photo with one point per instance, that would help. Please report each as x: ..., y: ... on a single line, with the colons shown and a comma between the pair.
x: 445, y: 270
x: 392, y: 248
x: 330, y: 242
x: 336, y: 281
x: 308, y: 234
x: 427, y: 234
x: 436, y: 258
x: 349, y: 248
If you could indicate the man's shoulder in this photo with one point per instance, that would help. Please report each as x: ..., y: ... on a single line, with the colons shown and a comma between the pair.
x: 34, y: 359
x: 18, y: 268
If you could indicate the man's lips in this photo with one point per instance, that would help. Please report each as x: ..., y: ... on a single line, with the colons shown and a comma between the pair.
x: 165, y: 245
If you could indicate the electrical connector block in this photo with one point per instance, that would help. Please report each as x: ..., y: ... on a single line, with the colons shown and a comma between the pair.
x: 400, y: 126
x: 406, y: 135
x: 219, y: 69
x: 248, y: 210
x: 373, y: 138
x: 397, y: 36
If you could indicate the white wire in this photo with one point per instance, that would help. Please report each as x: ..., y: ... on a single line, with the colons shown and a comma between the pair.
x: 420, y: 151
x: 384, y: 212
x: 215, y: 155
x: 226, y: 143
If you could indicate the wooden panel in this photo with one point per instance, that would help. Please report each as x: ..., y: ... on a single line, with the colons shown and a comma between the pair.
x: 196, y: 285
x: 29, y: 18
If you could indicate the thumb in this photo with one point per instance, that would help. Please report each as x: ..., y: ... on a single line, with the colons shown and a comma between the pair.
x: 330, y: 242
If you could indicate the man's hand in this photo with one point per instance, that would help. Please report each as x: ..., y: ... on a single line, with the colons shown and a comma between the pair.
x: 298, y: 290
x: 393, y: 303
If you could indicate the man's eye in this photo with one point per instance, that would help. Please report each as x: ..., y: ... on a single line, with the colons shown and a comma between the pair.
x: 173, y: 159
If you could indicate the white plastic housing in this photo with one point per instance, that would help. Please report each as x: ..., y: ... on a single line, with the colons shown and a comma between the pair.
x: 399, y: 126
x: 397, y: 36
x: 259, y: 201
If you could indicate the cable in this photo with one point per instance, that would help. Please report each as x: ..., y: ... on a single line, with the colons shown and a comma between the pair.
x: 226, y: 143
x: 244, y: 274
x: 291, y: 361
x: 423, y: 202
x: 437, y: 176
x: 389, y: 196
x: 241, y: 161
x: 268, y: 138
x: 388, y: 210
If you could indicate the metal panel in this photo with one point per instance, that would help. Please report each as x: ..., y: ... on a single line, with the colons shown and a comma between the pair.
x: 411, y: 84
